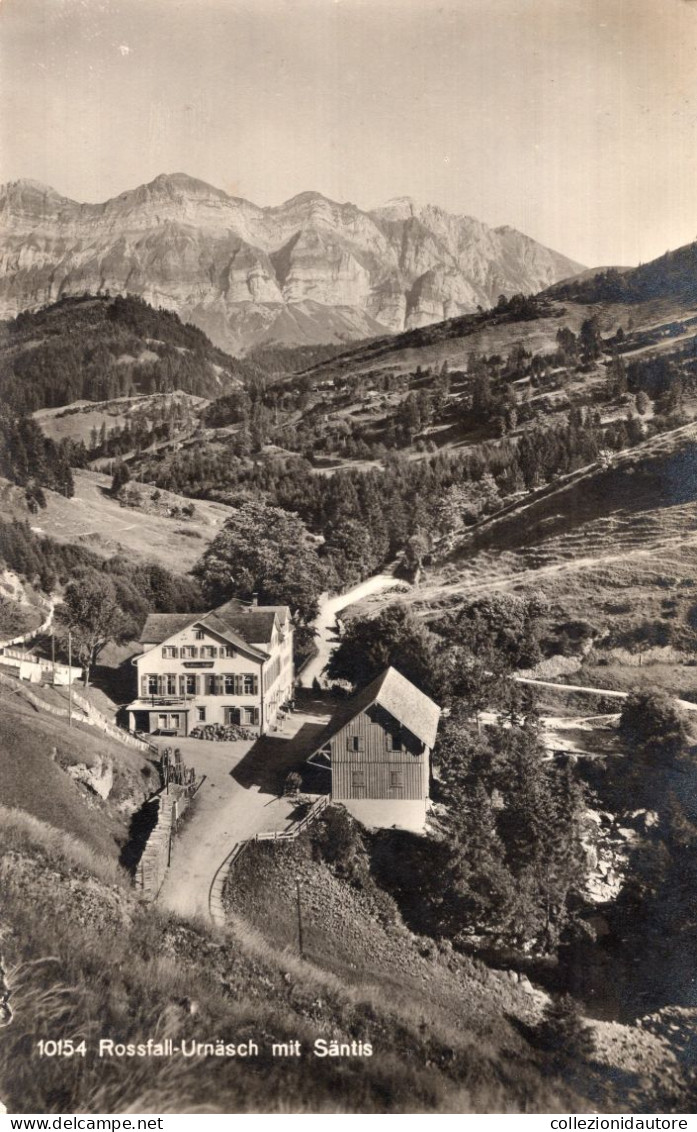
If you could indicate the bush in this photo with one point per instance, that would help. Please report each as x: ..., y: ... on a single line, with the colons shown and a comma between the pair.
x: 336, y: 839
x: 654, y: 725
x: 563, y: 1033
x: 293, y: 783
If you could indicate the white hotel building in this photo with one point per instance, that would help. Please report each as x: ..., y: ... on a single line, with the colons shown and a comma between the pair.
x: 232, y: 665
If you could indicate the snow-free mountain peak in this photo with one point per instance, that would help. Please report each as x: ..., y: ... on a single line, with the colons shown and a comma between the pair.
x: 308, y: 270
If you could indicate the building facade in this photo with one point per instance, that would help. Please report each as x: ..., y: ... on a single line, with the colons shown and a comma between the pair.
x: 231, y: 665
x: 378, y: 753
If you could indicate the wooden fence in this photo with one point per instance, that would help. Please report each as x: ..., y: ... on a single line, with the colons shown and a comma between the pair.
x: 26, y: 637
x: 83, y: 712
x: 295, y: 830
x: 216, y: 908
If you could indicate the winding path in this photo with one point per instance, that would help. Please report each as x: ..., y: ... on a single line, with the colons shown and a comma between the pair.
x: 240, y: 797
x: 686, y: 705
x: 325, y: 622
x: 242, y: 792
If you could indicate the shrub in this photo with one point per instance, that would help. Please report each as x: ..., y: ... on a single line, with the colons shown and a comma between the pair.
x: 563, y: 1033
x: 292, y: 784
x: 336, y: 839
x: 654, y: 725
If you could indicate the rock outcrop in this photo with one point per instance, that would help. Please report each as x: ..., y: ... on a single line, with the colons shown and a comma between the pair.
x: 309, y: 270
x: 99, y: 778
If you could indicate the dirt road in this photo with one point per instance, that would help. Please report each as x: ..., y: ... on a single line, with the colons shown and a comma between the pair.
x: 325, y: 622
x: 686, y: 705
x: 239, y: 798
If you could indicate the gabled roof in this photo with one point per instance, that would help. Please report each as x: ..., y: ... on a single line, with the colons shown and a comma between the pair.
x: 282, y: 611
x: 400, y: 698
x: 253, y: 623
x: 159, y: 626
x: 256, y: 626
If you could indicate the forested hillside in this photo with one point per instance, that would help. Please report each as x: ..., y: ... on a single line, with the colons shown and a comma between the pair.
x: 98, y: 348
x: 673, y: 275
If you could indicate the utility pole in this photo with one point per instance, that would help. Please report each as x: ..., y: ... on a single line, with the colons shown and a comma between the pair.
x: 70, y: 679
x: 300, y: 919
x: 53, y: 656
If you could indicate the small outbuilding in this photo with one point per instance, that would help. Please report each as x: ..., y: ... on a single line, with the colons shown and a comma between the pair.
x: 378, y: 748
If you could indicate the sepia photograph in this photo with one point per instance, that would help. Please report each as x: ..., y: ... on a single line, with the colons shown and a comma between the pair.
x: 348, y: 560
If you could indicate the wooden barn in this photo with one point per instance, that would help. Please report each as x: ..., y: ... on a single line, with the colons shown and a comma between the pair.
x: 378, y: 749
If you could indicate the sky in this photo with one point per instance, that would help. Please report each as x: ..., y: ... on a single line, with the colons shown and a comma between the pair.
x: 572, y: 120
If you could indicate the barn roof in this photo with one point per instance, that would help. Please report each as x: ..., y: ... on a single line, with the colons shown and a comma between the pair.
x: 398, y: 696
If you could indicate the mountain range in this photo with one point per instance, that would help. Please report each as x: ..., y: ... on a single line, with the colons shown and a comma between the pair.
x: 310, y: 270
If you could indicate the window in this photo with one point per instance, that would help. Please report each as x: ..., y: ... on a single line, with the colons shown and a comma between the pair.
x: 188, y: 685
x: 247, y: 715
x: 233, y: 715
x: 199, y: 635
x: 169, y: 684
x: 248, y: 684
x: 174, y: 721
x: 394, y: 742
x: 170, y: 652
x: 151, y: 685
x: 396, y: 779
x: 209, y: 686
x: 209, y: 651
x: 189, y: 651
x: 228, y: 651
x: 229, y: 685
x: 355, y: 743
x: 162, y: 721
x: 201, y: 714
x: 358, y: 779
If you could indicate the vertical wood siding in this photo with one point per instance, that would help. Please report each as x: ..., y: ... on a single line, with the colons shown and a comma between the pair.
x: 376, y: 771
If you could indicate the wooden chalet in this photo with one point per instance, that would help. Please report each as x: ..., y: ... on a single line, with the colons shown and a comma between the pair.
x: 377, y: 749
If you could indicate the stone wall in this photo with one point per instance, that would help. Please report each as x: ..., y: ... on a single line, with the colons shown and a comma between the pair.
x: 153, y: 865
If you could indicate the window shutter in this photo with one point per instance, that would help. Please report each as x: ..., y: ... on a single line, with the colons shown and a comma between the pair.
x: 256, y: 685
x: 143, y: 686
x: 238, y: 685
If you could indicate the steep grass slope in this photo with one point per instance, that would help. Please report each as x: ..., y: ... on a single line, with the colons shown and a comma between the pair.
x: 639, y: 510
x: 39, y: 754
x: 163, y: 978
x: 94, y: 519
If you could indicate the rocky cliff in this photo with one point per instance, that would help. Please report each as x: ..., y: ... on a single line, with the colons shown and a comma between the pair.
x: 309, y: 270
